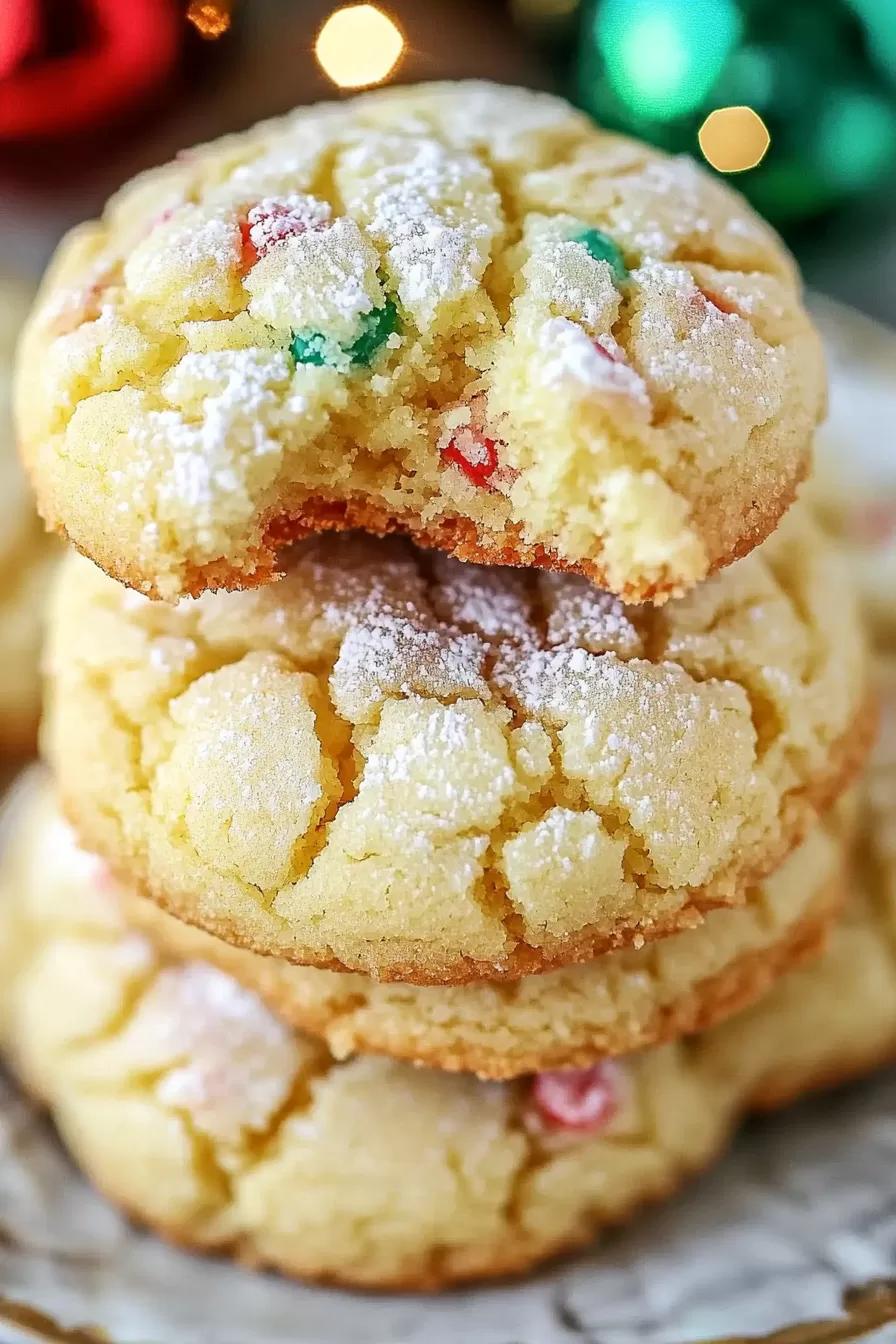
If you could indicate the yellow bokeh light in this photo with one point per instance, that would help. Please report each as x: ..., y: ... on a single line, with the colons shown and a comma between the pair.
x: 734, y: 139
x: 358, y: 45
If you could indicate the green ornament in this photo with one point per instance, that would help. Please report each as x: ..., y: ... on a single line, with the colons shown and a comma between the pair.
x: 601, y: 247
x: 376, y: 327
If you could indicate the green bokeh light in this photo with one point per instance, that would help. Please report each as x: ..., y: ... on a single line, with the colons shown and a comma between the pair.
x: 662, y: 57
x: 855, y: 140
x: 879, y: 18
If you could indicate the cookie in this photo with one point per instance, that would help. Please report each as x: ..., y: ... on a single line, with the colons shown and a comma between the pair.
x: 403, y: 765
x: 457, y: 311
x: 854, y: 486
x: 27, y: 555
x: 203, y: 1116
x: 619, y: 1003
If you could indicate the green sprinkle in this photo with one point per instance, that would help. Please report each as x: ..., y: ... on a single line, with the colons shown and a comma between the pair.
x: 377, y: 326
x: 310, y: 349
x: 601, y: 247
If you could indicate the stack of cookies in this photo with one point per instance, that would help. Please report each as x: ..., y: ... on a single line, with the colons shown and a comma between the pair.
x: 440, y: 683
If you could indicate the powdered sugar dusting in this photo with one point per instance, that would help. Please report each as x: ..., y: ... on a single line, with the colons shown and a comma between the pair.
x: 579, y: 614
x: 495, y: 602
x: 572, y: 360
x: 229, y: 1062
x: 391, y: 656
x: 277, y: 218
x: 225, y: 409
x: 434, y: 210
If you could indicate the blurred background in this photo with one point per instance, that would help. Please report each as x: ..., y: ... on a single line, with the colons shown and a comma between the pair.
x: 794, y: 100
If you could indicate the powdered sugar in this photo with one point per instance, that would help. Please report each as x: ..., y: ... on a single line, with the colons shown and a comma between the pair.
x: 572, y: 359
x: 391, y: 656
x: 277, y: 218
x: 434, y: 210
x: 229, y: 1063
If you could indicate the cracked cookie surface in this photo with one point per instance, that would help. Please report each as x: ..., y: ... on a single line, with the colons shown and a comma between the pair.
x: 396, y: 763
x: 458, y: 311
x: 614, y: 1005
x: 27, y: 555
x: 202, y: 1115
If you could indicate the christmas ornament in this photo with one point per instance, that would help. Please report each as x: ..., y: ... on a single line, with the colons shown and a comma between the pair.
x: 798, y: 100
x: 63, y: 74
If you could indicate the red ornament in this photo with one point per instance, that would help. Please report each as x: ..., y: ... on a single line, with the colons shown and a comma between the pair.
x: 121, y: 49
x: 581, y: 1100
x: 19, y: 33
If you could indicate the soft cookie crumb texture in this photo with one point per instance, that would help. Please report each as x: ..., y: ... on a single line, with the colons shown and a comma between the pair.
x: 460, y: 311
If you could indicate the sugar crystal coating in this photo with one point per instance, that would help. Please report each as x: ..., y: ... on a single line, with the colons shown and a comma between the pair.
x: 433, y: 771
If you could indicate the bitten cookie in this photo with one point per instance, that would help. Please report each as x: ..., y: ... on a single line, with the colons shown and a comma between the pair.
x: 614, y: 1005
x: 27, y: 555
x: 400, y: 764
x: 203, y: 1116
x: 457, y: 311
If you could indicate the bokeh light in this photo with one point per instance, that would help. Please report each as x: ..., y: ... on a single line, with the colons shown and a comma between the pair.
x: 854, y: 144
x: 662, y: 57
x: 209, y: 19
x: 358, y: 45
x: 734, y: 139
x: 879, y: 18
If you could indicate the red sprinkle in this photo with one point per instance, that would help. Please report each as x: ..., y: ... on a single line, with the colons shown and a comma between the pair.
x: 274, y: 220
x: 249, y: 254
x: 582, y: 1100
x: 476, y: 455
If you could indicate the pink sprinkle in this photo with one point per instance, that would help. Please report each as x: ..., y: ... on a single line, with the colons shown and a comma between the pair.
x: 707, y: 296
x: 607, y: 354
x: 277, y: 218
x: 583, y: 1100
x: 101, y: 877
x: 873, y: 523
